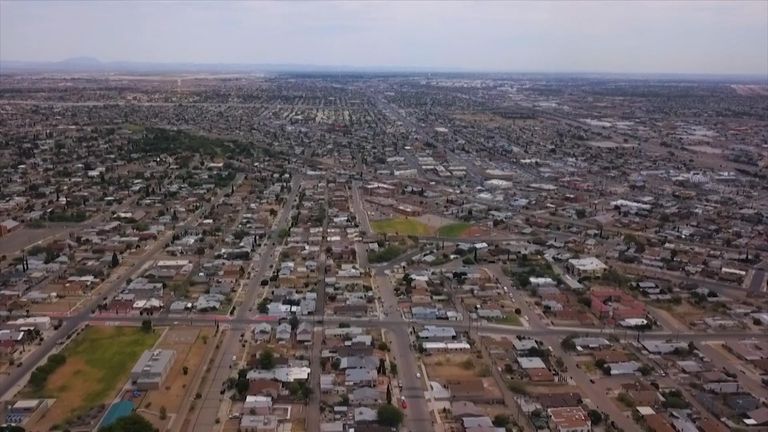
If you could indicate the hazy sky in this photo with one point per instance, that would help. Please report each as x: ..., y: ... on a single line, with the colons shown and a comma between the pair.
x: 602, y: 36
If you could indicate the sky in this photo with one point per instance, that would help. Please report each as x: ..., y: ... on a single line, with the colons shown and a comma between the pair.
x: 709, y: 37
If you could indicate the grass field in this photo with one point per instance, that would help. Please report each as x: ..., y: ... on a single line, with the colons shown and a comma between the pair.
x: 401, y: 226
x: 511, y: 319
x: 98, y: 363
x: 453, y: 230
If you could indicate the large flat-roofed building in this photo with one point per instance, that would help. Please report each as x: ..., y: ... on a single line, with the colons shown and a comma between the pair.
x: 590, y: 267
x: 152, y: 368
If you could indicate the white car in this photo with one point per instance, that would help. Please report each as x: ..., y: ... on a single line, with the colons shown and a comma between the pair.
x: 418, y: 374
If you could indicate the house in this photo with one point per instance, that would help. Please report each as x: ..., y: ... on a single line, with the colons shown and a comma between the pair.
x: 283, y: 332
x: 531, y: 363
x: 262, y: 332
x: 9, y: 226
x: 591, y: 342
x: 258, y: 423
x: 623, y: 368
x: 304, y: 333
x: 437, y: 333
x: 365, y: 396
x: 327, y: 383
x: 569, y: 419
x: 657, y: 423
x: 662, y: 347
x: 460, y: 409
x: 257, y: 404
x: 473, y: 390
x: 616, y: 305
x: 522, y: 346
x: 758, y: 417
x: 364, y: 415
x: 367, y: 362
x: 360, y: 377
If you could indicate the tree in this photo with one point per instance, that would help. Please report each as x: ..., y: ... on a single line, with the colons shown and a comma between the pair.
x: 645, y: 370
x: 163, y: 413
x: 267, y: 359
x: 595, y: 416
x: 130, y: 423
x: 146, y: 326
x: 293, y: 321
x: 500, y: 420
x: 389, y: 415
x: 115, y: 260
x: 383, y: 346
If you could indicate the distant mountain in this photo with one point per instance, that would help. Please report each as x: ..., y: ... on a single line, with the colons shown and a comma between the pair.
x: 93, y: 65
x: 89, y: 64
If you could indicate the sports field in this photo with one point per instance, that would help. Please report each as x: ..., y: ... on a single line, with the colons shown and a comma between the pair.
x: 98, y: 363
x: 401, y: 226
x: 453, y: 230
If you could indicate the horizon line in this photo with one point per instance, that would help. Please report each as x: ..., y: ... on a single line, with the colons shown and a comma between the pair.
x: 77, y: 64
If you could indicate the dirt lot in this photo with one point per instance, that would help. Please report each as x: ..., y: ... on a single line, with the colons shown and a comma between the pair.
x: 25, y: 237
x: 453, y: 366
x: 60, y: 306
x: 190, y: 351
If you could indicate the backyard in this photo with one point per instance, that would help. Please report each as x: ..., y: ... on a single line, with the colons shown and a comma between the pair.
x: 98, y: 363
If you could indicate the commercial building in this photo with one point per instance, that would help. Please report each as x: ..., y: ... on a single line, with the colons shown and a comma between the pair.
x: 152, y: 368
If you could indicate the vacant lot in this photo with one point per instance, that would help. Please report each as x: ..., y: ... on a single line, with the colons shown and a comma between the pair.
x: 98, y: 363
x: 401, y: 226
x: 453, y: 230
x: 454, y: 366
x: 190, y: 351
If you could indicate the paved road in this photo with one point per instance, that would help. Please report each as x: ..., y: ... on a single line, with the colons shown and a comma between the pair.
x: 418, y: 417
x: 359, y: 209
x: 206, y: 415
x: 484, y: 328
x: 314, y: 416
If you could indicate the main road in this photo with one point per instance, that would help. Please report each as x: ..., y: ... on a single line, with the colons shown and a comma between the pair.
x: 205, y: 419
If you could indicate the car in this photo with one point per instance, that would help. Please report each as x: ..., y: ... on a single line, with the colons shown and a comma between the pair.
x: 418, y: 374
x: 403, y: 404
x: 591, y: 380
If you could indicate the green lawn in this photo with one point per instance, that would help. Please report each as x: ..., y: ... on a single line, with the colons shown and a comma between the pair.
x: 511, y: 319
x: 453, y: 230
x: 401, y: 226
x: 98, y: 362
